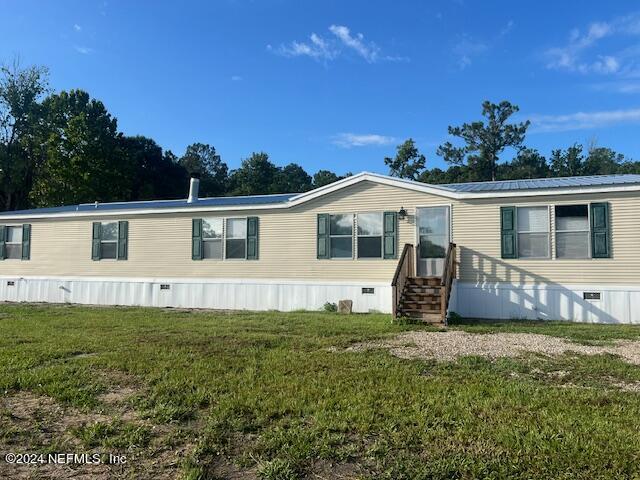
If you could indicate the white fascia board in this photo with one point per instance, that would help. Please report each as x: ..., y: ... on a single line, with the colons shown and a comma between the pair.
x: 333, y: 187
x: 548, y: 192
x: 144, y: 211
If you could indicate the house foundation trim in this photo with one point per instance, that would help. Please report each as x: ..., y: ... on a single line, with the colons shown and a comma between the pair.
x: 226, y: 294
x: 592, y: 303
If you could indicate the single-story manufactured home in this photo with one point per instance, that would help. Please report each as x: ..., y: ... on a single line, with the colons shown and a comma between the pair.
x: 563, y: 248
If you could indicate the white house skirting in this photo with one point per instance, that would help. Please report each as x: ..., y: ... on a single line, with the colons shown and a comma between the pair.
x: 617, y: 303
x: 233, y: 294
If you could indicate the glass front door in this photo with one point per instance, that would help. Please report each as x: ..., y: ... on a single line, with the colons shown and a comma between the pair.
x: 433, y: 240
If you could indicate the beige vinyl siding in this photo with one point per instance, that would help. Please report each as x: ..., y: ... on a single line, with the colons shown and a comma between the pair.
x: 160, y: 244
x: 477, y: 233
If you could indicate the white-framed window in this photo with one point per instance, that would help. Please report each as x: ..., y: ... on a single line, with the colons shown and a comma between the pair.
x: 370, y: 234
x: 236, y: 238
x: 109, y: 240
x: 573, y: 234
x: 212, y: 238
x: 341, y: 235
x: 13, y: 243
x: 533, y: 232
x: 219, y: 238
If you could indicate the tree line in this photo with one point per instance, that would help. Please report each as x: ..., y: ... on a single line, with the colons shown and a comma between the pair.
x: 65, y: 148
x: 476, y: 157
x: 60, y: 148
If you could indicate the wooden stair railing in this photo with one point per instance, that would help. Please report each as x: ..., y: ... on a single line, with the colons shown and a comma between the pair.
x: 448, y: 274
x: 404, y: 270
x: 426, y: 298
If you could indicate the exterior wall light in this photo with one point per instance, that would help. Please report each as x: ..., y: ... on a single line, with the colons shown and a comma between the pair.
x: 402, y: 214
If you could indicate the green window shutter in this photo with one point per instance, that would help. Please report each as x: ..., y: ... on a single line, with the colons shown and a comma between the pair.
x: 323, y: 236
x: 508, y: 234
x: 26, y: 241
x: 196, y: 239
x: 95, y: 241
x: 3, y: 239
x: 600, y: 233
x: 123, y: 239
x: 252, y: 238
x: 390, y: 240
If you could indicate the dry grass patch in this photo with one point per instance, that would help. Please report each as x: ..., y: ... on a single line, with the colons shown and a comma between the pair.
x: 32, y: 423
x: 23, y: 411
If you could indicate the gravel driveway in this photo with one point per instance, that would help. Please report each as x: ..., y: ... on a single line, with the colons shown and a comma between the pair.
x: 447, y: 346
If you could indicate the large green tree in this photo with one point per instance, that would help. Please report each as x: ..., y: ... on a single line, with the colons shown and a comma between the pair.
x: 292, y: 178
x: 567, y: 163
x: 156, y: 175
x: 256, y: 176
x: 324, y: 177
x: 453, y: 174
x: 529, y: 163
x: 484, y: 142
x: 408, y: 162
x: 629, y: 166
x: 21, y: 90
x: 602, y: 161
x: 83, y: 161
x: 203, y: 160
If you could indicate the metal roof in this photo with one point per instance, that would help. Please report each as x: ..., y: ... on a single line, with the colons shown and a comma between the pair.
x: 508, y: 188
x: 160, y: 204
x: 544, y: 183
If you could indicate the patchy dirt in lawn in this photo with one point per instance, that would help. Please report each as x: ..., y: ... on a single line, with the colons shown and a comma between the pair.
x: 37, y: 424
x: 450, y: 345
x: 326, y: 470
x: 222, y: 466
x: 31, y: 423
x: 627, y: 387
x: 123, y: 388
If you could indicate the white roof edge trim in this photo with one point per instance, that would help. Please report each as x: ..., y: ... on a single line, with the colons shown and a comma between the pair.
x: 145, y: 211
x: 371, y: 177
x: 339, y: 185
x: 549, y: 192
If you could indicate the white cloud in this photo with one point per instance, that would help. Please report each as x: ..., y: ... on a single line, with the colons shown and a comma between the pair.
x: 466, y: 49
x: 77, y: 27
x: 326, y: 49
x: 606, y: 64
x: 632, y: 86
x: 83, y: 50
x: 369, y: 51
x: 349, y: 140
x: 577, y: 56
x: 583, y: 120
x: 317, y: 48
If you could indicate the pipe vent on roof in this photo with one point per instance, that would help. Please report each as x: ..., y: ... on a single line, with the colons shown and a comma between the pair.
x: 194, y: 186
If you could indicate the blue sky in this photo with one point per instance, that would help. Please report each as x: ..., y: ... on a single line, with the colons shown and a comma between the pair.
x: 338, y: 84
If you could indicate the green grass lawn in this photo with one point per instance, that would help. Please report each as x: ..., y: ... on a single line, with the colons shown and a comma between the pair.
x: 272, y: 395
